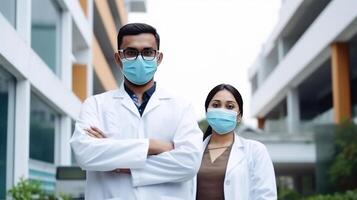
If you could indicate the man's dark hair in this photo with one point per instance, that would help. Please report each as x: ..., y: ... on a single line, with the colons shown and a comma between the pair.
x: 136, y: 29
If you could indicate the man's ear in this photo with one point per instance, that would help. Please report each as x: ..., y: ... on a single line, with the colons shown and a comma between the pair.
x: 159, y: 58
x: 117, y: 59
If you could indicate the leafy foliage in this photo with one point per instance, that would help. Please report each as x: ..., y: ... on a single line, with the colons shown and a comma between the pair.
x: 288, y: 194
x: 349, y: 195
x: 30, y: 190
x: 343, y: 171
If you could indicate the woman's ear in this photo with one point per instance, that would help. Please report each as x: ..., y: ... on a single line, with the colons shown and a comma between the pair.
x: 239, y: 118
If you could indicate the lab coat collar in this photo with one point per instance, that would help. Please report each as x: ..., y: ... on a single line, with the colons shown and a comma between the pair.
x: 238, y: 143
x: 154, y: 101
x: 236, y: 156
x: 237, y: 153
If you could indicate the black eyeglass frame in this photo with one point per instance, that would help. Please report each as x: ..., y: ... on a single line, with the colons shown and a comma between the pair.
x: 146, y: 58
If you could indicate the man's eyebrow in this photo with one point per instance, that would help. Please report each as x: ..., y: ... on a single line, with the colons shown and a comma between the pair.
x: 145, y: 48
x: 131, y: 48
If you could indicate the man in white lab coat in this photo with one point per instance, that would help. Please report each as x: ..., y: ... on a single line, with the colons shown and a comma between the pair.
x: 139, y: 141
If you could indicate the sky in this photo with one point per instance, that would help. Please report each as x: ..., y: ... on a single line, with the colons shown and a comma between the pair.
x: 208, y: 42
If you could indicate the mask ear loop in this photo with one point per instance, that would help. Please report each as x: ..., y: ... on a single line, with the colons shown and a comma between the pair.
x: 121, y: 71
x: 120, y: 68
x: 239, y: 118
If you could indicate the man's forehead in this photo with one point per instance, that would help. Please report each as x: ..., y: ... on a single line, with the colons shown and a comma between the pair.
x: 140, y: 41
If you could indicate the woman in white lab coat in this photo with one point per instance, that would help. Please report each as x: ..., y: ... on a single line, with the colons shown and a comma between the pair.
x: 232, y: 168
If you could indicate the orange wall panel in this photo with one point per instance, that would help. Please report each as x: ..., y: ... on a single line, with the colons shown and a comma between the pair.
x: 79, y: 81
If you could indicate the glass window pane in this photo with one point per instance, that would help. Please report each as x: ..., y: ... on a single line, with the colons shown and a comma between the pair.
x: 7, y: 9
x: 42, y: 130
x: 4, y: 112
x: 73, y: 159
x: 45, y: 32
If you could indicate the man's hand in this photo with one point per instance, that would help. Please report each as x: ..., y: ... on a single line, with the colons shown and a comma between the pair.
x: 159, y: 146
x: 125, y: 171
x: 95, y: 132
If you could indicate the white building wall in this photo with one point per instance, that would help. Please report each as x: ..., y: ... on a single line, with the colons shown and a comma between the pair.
x: 307, y: 54
x: 33, y: 75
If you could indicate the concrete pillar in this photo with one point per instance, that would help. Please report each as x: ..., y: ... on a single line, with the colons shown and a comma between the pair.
x: 22, y: 130
x: 66, y: 49
x: 63, y: 150
x: 23, y: 19
x: 281, y: 50
x: 341, y: 91
x: 293, y: 110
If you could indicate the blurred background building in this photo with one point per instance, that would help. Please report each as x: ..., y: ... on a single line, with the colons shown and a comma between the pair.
x: 303, y: 81
x: 53, y: 54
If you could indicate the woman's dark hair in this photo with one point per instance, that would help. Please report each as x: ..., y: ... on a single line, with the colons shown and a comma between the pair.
x: 214, y: 91
x: 136, y: 29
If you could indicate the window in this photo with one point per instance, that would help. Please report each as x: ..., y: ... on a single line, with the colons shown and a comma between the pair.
x: 8, y: 10
x: 73, y: 159
x: 42, y: 130
x: 6, y: 121
x: 45, y: 32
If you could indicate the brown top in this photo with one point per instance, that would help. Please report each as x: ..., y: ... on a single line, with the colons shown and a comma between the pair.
x: 210, y: 177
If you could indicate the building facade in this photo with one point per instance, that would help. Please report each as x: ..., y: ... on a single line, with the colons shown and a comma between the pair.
x: 53, y: 55
x: 305, y: 77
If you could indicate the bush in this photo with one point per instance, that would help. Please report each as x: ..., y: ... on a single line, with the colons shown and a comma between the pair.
x: 288, y: 194
x: 31, y: 190
x: 343, y: 171
x: 349, y: 195
x: 26, y: 190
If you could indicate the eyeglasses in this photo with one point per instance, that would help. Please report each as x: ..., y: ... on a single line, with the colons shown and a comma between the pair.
x: 132, y: 54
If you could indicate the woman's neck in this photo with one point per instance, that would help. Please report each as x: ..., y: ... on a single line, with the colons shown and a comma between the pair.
x: 221, y: 140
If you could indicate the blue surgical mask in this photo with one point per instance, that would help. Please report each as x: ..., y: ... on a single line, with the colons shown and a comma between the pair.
x: 222, y: 120
x: 139, y: 71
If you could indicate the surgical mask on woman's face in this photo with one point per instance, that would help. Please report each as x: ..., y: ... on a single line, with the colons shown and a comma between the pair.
x: 139, y: 71
x: 222, y: 120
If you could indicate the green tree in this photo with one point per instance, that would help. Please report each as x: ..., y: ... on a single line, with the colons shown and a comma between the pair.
x: 343, y: 171
x: 203, y: 124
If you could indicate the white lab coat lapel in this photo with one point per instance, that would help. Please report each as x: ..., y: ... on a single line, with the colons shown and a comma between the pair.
x: 236, y: 156
x: 205, y: 143
x: 155, y: 100
x: 126, y: 101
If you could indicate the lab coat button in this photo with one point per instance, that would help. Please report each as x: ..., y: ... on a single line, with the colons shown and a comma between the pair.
x: 228, y: 182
